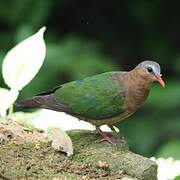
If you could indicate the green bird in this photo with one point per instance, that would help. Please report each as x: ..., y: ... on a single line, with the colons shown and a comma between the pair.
x: 101, y: 99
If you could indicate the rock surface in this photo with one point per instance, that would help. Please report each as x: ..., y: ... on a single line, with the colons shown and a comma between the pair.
x: 34, y: 158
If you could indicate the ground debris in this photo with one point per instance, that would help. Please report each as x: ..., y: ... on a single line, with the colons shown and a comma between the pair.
x: 103, y: 164
x: 14, y: 132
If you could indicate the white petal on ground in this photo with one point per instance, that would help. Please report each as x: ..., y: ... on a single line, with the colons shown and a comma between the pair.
x: 60, y: 140
x: 66, y: 122
x: 167, y: 168
x: 7, y: 98
x: 23, y: 62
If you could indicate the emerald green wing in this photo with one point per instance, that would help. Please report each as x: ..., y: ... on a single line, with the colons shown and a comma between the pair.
x: 96, y: 97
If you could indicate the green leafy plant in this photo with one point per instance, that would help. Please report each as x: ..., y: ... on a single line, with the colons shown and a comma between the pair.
x: 177, y: 177
x: 169, y: 149
x: 20, y: 66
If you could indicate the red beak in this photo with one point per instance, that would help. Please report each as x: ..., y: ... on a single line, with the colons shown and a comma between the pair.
x: 160, y: 80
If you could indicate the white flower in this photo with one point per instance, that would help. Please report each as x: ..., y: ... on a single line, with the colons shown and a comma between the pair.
x: 167, y: 168
x: 20, y: 66
x: 7, y: 97
x: 23, y: 62
x: 64, y: 121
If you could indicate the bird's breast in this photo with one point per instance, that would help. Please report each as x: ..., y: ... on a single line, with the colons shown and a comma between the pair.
x: 136, y: 96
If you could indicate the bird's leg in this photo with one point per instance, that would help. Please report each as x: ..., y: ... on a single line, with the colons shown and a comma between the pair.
x: 121, y: 140
x: 105, y: 137
x: 112, y: 128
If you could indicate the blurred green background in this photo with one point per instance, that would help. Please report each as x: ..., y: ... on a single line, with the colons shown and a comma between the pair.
x: 89, y: 37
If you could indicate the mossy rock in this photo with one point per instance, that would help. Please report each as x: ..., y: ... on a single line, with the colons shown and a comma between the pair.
x: 37, y: 160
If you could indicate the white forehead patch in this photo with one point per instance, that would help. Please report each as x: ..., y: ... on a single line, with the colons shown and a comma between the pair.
x: 154, y: 65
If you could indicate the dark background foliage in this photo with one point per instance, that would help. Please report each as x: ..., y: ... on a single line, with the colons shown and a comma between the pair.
x: 89, y: 37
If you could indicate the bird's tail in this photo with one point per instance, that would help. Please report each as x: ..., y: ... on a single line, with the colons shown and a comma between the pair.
x: 46, y: 101
x: 28, y: 103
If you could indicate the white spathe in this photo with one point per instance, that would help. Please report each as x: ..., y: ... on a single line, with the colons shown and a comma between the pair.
x: 7, y: 98
x: 23, y: 61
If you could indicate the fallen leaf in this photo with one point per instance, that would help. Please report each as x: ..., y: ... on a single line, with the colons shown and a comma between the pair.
x: 60, y: 140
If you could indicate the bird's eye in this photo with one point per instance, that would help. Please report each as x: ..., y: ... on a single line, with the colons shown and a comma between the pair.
x: 150, y: 69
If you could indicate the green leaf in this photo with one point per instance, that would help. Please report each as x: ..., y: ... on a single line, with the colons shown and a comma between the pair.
x: 177, y: 178
x: 170, y: 149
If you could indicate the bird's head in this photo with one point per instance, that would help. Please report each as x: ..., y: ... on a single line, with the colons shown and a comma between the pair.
x: 151, y: 70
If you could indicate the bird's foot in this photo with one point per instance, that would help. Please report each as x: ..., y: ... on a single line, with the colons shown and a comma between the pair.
x: 108, y: 139
x: 111, y: 140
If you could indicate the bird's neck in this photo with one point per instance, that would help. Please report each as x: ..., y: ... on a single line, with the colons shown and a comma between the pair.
x: 140, y: 80
x: 137, y: 88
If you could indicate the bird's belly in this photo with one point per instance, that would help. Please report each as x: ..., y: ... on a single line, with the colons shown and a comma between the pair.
x: 108, y: 121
